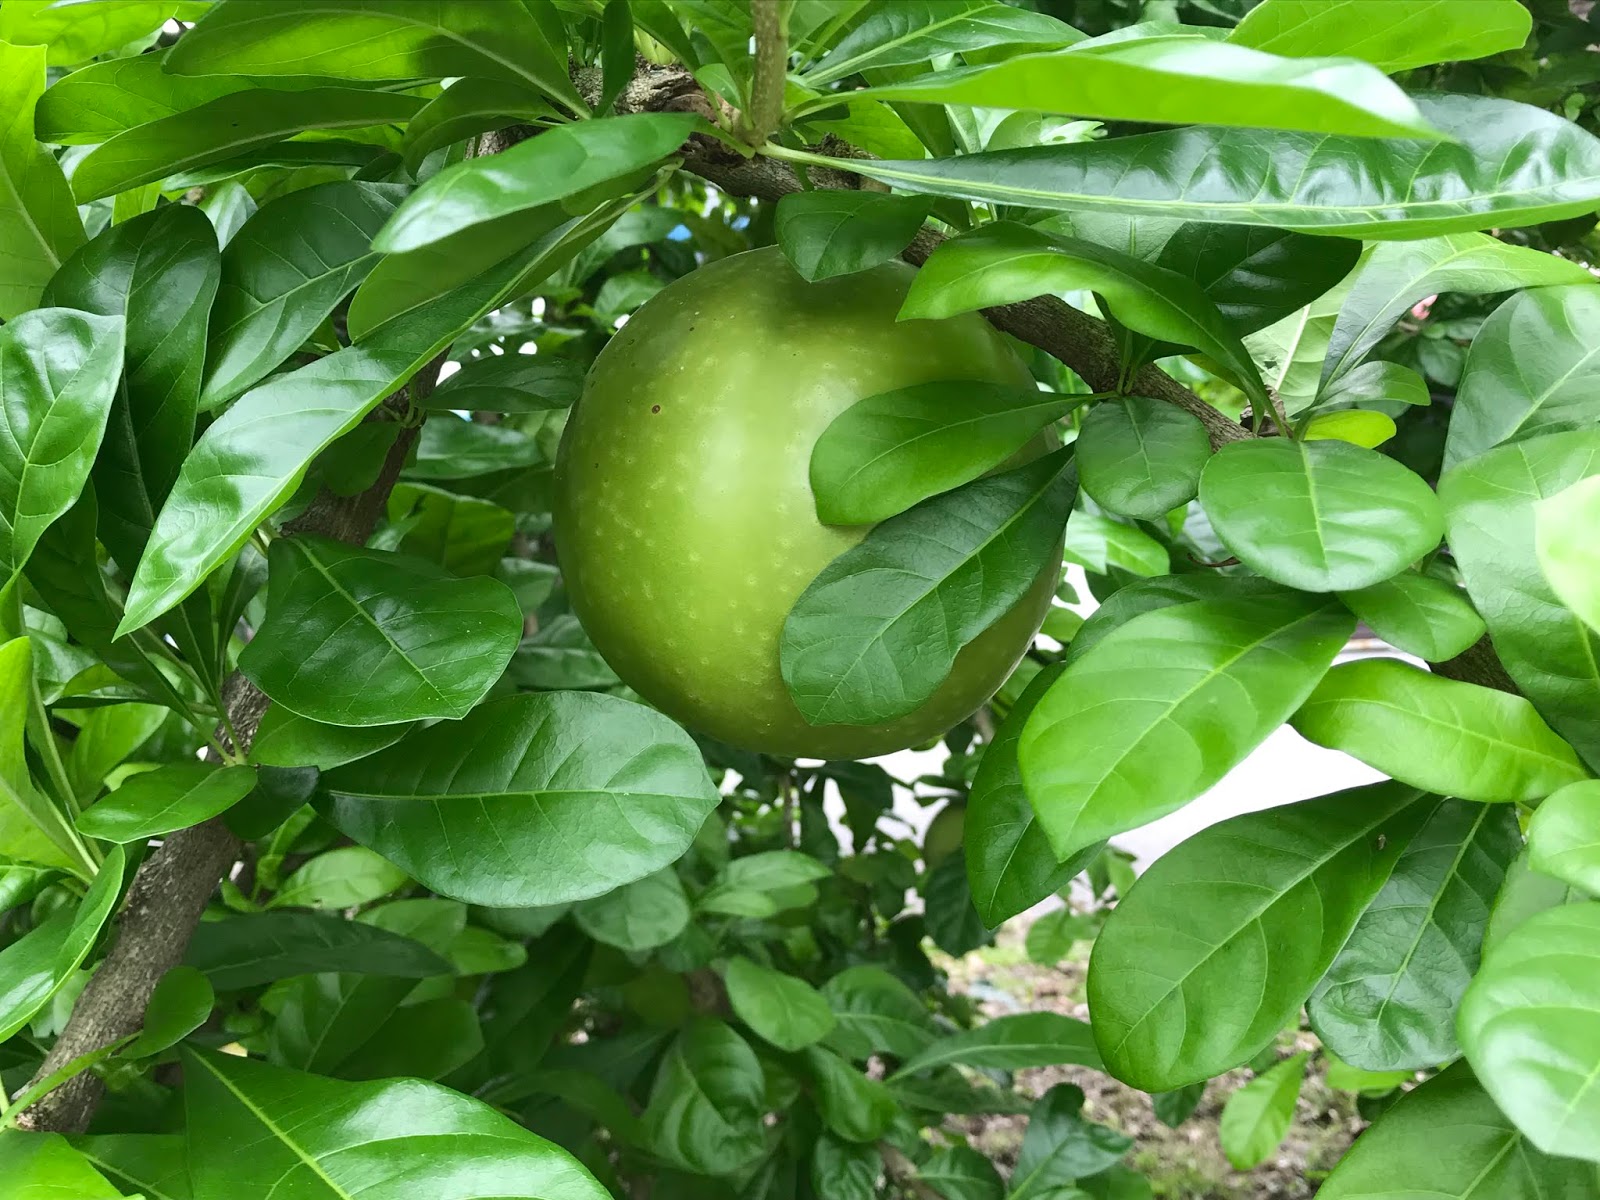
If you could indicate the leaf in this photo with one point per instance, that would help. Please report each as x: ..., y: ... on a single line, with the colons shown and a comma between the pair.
x: 917, y: 31
x: 1050, y: 938
x: 706, y: 1105
x: 542, y: 798
x: 1011, y: 1043
x: 1394, y: 36
x: 1371, y: 383
x: 560, y: 655
x: 1506, y: 165
x: 246, y: 951
x: 289, y: 1129
x: 961, y: 1173
x: 1141, y: 457
x: 1010, y: 865
x: 510, y: 383
x: 844, y: 1170
x: 876, y: 1014
x: 854, y: 1107
x: 227, y: 126
x: 39, y: 226
x: 383, y: 40
x: 1321, y: 516
x: 1396, y: 275
x: 830, y: 232
x: 1256, y: 1117
x: 148, y: 1164
x: 949, y: 914
x: 1389, y: 1000
x: 1002, y: 263
x: 1059, y: 1147
x: 465, y: 108
x: 429, y: 1039
x: 366, y: 637
x: 887, y: 452
x: 286, y: 739
x: 1564, y: 836
x: 1100, y: 543
x: 1447, y: 1139
x: 1291, y: 352
x: 1169, y: 80
x: 1458, y: 739
x: 452, y: 448
x: 1218, y: 945
x: 1564, y: 526
x: 1524, y: 893
x: 32, y: 829
x: 1161, y: 708
x: 96, y: 102
x: 782, y: 1009
x: 463, y: 534
x: 642, y: 915
x: 283, y: 273
x: 58, y: 374
x: 344, y: 878
x: 774, y: 870
x: 1530, y: 1025
x: 561, y: 162
x: 1368, y: 430
x: 44, y: 1165
x: 181, y: 1003
x: 1418, y: 614
x: 877, y: 632
x: 1490, y: 513
x: 172, y: 797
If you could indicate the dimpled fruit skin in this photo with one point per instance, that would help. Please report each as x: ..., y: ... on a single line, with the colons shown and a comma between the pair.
x: 684, y: 519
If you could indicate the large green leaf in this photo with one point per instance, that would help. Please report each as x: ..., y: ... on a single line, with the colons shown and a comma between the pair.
x: 284, y: 272
x: 1564, y: 836
x: 1010, y: 1043
x: 1490, y: 504
x: 286, y: 739
x: 1172, y: 80
x: 300, y: 1137
x: 1564, y: 528
x: 1389, y: 1001
x: 845, y: 1170
x: 537, y: 799
x: 1395, y: 35
x: 1448, y: 1140
x: 32, y: 829
x: 368, y: 637
x: 347, y: 877
x: 1003, y: 262
x: 876, y: 1014
x: 1533, y: 369
x: 225, y: 127
x: 467, y: 107
x: 852, y: 1105
x: 1059, y: 1147
x: 39, y: 227
x: 1165, y: 705
x: 705, y: 1111
x: 1458, y: 739
x: 1509, y: 165
x: 1530, y: 1024
x: 147, y: 1164
x: 95, y: 103
x: 638, y: 916
x: 172, y: 797
x: 246, y: 951
x: 783, y: 1009
x: 1141, y: 457
x: 383, y: 40
x: 43, y: 1166
x: 1321, y: 516
x: 1256, y: 1117
x: 1219, y: 943
x: 837, y: 232
x: 877, y: 632
x: 1419, y: 614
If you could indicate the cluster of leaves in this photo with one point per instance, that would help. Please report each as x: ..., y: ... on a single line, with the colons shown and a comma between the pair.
x: 496, y: 918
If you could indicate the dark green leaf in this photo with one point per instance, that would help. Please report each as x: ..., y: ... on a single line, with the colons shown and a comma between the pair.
x: 1173, y: 1108
x: 560, y: 655
x: 286, y: 739
x: 1010, y: 1044
x: 39, y: 226
x: 150, y: 1164
x: 962, y: 1173
x: 782, y: 1009
x: 243, y: 952
x: 949, y: 913
x: 509, y: 383
x: 1141, y: 457
x: 1564, y: 836
x: 706, y: 1106
x: 429, y: 1040
x: 642, y: 915
x: 1256, y: 1117
x: 1395, y: 35
x: 180, y: 1004
x: 844, y: 1170
x: 1060, y: 1147
x: 172, y: 797
x: 465, y: 108
x: 1419, y: 614
x: 452, y: 448
x: 915, y: 31
x: 834, y: 232
x: 463, y: 534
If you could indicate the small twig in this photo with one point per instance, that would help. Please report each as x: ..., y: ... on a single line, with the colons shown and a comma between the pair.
x: 903, y: 1173
x: 771, y: 68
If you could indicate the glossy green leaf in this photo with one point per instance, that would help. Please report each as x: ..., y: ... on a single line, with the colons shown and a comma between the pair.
x: 560, y: 655
x: 782, y: 1009
x: 181, y: 1003
x: 428, y: 1039
x: 245, y: 951
x: 876, y: 1014
x: 915, y: 31
x: 1564, y: 836
x: 1395, y: 35
x: 287, y: 739
x: 1457, y: 739
x: 463, y: 534
x: 284, y: 272
x: 1218, y: 945
x: 1564, y: 528
x: 509, y: 383
x: 39, y: 226
x: 852, y: 1105
x: 1010, y: 865
x: 43, y: 1166
x: 559, y: 795
x: 96, y: 102
x: 1003, y: 262
x: 887, y: 452
x: 1319, y: 516
x: 452, y: 448
x: 1372, y: 383
x: 1418, y: 614
x: 1290, y: 352
x: 149, y: 1164
x: 1100, y: 543
x: 833, y: 232
x: 1524, y: 893
x: 877, y: 632
x: 172, y: 797
x: 1141, y: 457
x: 1059, y: 1147
x: 108, y: 737
x: 558, y: 163
x: 1530, y: 1024
x: 32, y: 829
x: 1256, y: 1117
x: 1161, y: 708
x: 1448, y: 1139
x: 465, y: 108
x: 1510, y: 165
x: 302, y: 1137
x: 642, y: 915
x: 1389, y: 1001
x: 1367, y: 430
x: 367, y: 637
x: 344, y: 878
x: 1490, y: 511
x: 1010, y: 1043
x: 707, y: 1104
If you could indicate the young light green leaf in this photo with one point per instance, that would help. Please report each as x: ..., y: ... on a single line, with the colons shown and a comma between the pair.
x: 782, y: 1009
x: 1060, y: 1147
x: 1256, y: 1117
x: 916, y: 31
x: 1320, y: 516
x: 834, y: 232
x: 347, y: 877
x: 1389, y: 1001
x: 1394, y: 36
x: 706, y: 1106
x: 1141, y: 457
x: 1010, y: 1043
x: 1564, y: 529
x: 465, y: 108
x: 879, y: 630
x: 887, y: 452
x: 1564, y: 836
x: 286, y: 739
x: 76, y: 36
x: 571, y: 794
x: 1291, y: 351
x: 1162, y: 707
x: 39, y: 226
x: 1418, y: 614
x: 246, y: 951
x: 32, y: 829
x: 171, y: 797
x: 638, y: 916
x: 1369, y: 430
x: 180, y: 1004
x: 1524, y: 893
x: 1100, y: 543
x: 774, y: 869
x: 1458, y: 739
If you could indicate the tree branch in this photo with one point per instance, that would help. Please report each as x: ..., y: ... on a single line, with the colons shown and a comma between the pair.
x: 771, y: 69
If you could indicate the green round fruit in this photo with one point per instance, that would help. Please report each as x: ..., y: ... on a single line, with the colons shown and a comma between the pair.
x: 684, y: 519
